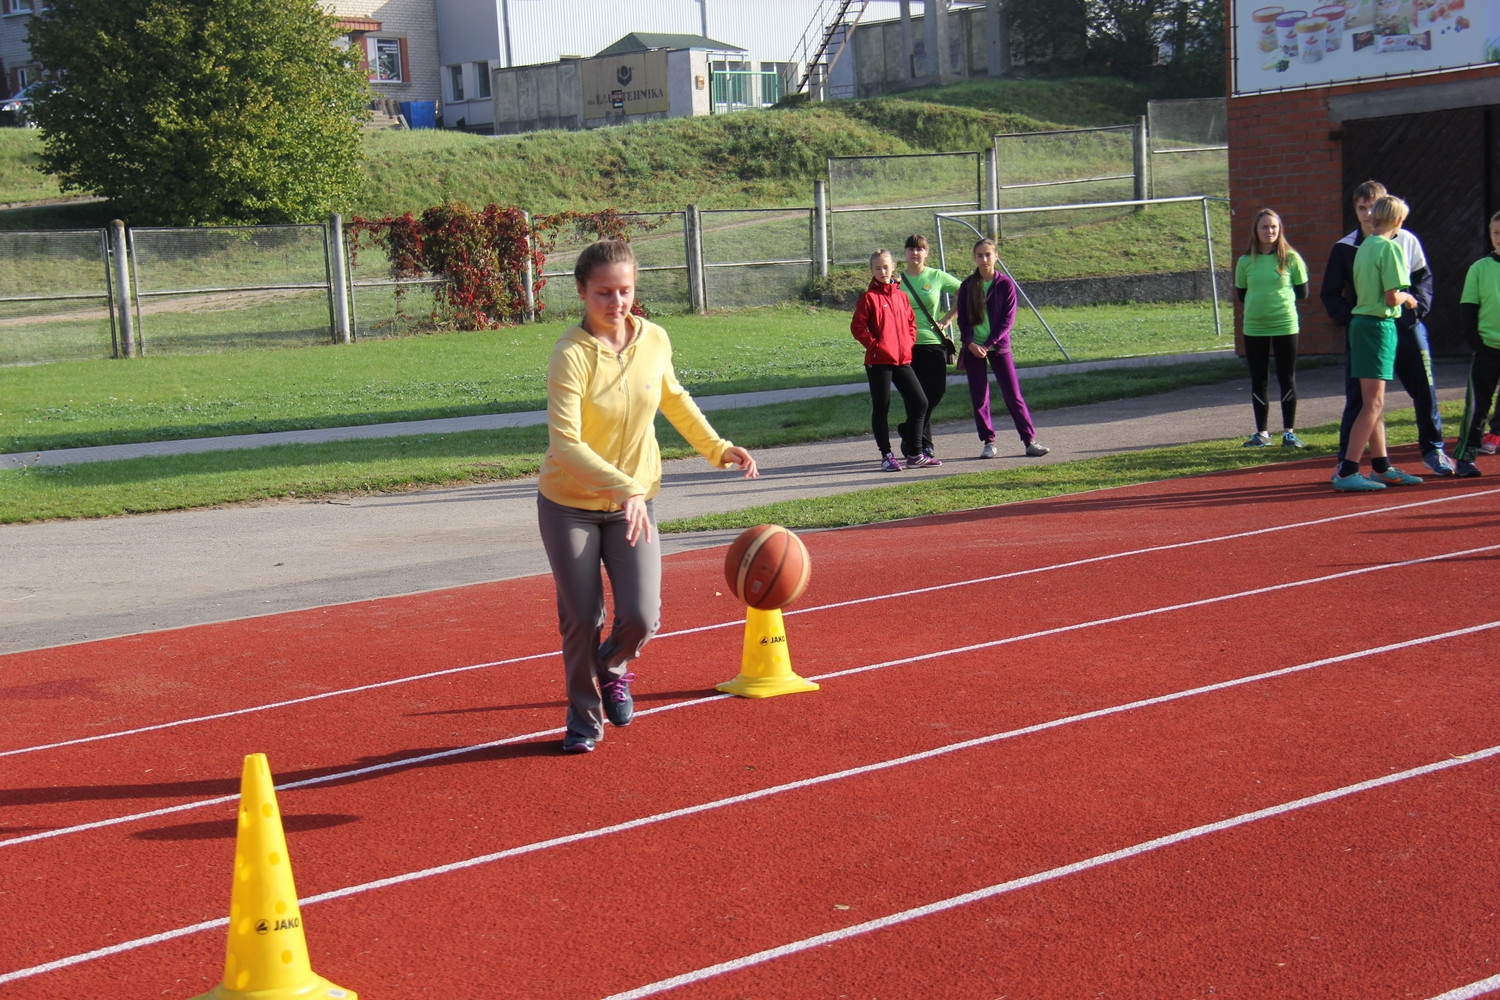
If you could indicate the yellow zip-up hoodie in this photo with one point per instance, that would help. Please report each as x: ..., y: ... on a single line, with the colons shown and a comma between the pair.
x: 601, y: 411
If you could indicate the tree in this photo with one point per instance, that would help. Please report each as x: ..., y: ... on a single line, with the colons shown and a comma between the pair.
x: 197, y: 112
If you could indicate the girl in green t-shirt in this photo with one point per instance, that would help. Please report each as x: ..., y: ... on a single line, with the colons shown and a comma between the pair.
x: 1270, y: 280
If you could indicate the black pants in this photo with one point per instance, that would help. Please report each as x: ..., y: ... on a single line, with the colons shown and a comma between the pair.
x: 1484, y: 376
x: 881, y: 377
x: 1258, y: 351
x: 930, y: 362
x: 1414, y: 372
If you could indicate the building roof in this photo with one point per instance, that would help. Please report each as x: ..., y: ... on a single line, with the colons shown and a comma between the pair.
x: 642, y: 41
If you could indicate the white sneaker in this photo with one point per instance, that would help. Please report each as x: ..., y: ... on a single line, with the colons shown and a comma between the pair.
x: 988, y: 451
x: 1035, y: 449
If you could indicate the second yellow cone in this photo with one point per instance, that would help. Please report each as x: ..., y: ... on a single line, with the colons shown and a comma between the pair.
x: 267, y: 955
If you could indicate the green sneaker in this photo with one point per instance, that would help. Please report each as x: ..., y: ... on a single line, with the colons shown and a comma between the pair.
x: 1260, y: 439
x: 1290, y: 440
x: 1355, y: 483
x: 1393, y: 476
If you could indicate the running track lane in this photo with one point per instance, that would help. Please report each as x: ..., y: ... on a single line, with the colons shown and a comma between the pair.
x: 632, y: 730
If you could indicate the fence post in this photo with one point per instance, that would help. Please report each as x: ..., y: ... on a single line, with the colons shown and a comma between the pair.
x: 121, y: 304
x: 820, y: 229
x: 1213, y: 275
x: 530, y: 275
x: 338, y: 279
x: 992, y: 189
x: 1142, y: 149
x: 693, y: 236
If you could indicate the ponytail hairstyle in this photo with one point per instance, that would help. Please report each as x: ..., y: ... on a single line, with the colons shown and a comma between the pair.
x: 973, y: 303
x: 601, y: 254
x: 1282, y: 247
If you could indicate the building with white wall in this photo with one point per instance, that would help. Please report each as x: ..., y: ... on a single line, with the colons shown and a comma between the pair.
x: 476, y: 36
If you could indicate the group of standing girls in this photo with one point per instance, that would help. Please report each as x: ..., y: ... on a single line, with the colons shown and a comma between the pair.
x: 908, y: 346
x: 1378, y: 285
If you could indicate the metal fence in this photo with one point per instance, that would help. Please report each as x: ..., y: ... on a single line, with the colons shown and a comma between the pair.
x: 1189, y: 147
x: 1208, y: 282
x: 870, y: 201
x: 55, y: 294
x: 222, y: 288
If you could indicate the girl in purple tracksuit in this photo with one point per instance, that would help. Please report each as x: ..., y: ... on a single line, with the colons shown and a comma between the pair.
x: 986, y: 312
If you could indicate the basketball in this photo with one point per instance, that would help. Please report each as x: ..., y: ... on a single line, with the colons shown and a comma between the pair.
x: 767, y: 567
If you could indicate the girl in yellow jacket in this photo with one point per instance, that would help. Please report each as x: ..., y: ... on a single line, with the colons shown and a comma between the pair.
x: 607, y: 378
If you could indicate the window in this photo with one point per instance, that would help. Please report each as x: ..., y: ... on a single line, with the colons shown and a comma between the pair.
x: 18, y: 6
x: 456, y: 78
x: 387, y: 58
x: 482, y: 80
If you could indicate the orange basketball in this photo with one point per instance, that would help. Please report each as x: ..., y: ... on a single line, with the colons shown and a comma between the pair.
x: 767, y: 567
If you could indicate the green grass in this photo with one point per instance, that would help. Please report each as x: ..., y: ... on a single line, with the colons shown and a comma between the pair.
x: 161, y: 397
x: 102, y: 489
x: 985, y: 489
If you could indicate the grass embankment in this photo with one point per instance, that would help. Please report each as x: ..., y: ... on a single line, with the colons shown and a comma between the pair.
x: 101, y: 489
x: 747, y: 158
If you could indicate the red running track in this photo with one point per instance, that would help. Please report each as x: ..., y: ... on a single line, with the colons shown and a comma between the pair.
x: 1230, y: 736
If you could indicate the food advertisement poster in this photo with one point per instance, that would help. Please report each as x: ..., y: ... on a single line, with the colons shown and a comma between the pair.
x: 1302, y: 44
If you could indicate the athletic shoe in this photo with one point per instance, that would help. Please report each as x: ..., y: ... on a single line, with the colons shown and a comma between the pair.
x: 1393, y: 476
x: 1355, y: 483
x: 577, y: 744
x: 889, y: 463
x: 1489, y: 444
x: 1035, y: 449
x: 932, y: 460
x: 921, y: 461
x: 1439, y: 463
x: 1259, y: 439
x: 619, y: 707
x: 988, y: 451
x: 1466, y: 469
x: 1290, y: 440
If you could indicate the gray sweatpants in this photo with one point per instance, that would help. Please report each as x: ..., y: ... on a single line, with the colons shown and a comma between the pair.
x: 578, y: 542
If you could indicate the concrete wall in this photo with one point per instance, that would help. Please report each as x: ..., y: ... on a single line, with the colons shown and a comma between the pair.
x: 534, y: 98
x: 880, y: 69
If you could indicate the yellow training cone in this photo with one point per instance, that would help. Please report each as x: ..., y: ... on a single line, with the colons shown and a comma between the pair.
x: 765, y: 664
x: 267, y: 957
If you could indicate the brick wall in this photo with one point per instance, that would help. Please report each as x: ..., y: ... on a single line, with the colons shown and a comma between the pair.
x: 1285, y: 155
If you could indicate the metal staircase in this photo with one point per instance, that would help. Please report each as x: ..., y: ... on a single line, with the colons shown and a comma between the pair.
x: 825, y: 25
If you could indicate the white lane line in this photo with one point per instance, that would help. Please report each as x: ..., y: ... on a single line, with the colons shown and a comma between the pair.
x: 989, y: 892
x: 918, y: 658
x: 1072, y: 564
x: 812, y: 942
x: 763, y: 793
x: 1479, y: 989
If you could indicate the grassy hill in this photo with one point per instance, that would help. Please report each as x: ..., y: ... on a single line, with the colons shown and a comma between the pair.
x: 751, y: 158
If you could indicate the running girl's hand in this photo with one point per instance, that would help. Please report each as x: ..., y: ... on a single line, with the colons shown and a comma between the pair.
x: 637, y: 519
x: 977, y: 349
x: 742, y: 458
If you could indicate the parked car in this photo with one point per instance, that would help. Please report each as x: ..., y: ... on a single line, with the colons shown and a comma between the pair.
x: 16, y: 110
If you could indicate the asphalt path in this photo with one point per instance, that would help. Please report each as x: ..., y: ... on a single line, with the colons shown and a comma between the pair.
x: 72, y: 581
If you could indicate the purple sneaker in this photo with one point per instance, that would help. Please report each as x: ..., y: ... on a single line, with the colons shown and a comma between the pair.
x: 619, y: 707
x: 922, y: 461
x: 889, y: 463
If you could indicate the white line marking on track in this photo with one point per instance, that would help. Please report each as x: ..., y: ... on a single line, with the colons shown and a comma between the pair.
x: 918, y: 658
x: 1072, y: 564
x: 782, y: 789
x: 1479, y: 989
x: 989, y: 892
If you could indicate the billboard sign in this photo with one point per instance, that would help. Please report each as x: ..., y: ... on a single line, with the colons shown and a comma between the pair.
x: 631, y: 84
x: 1307, y: 43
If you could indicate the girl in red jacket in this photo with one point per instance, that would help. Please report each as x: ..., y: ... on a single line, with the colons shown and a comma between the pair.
x: 884, y: 323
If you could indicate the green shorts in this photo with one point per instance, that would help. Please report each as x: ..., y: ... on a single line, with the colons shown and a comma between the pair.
x: 1372, y: 347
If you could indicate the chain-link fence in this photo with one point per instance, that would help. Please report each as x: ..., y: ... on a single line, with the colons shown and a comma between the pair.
x: 660, y: 243
x: 877, y: 201
x: 1189, y: 147
x: 55, y: 297
x: 755, y: 257
x: 216, y: 288
x: 1062, y: 167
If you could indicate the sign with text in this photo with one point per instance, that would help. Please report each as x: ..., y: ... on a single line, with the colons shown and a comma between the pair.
x: 633, y: 84
x: 1301, y: 44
